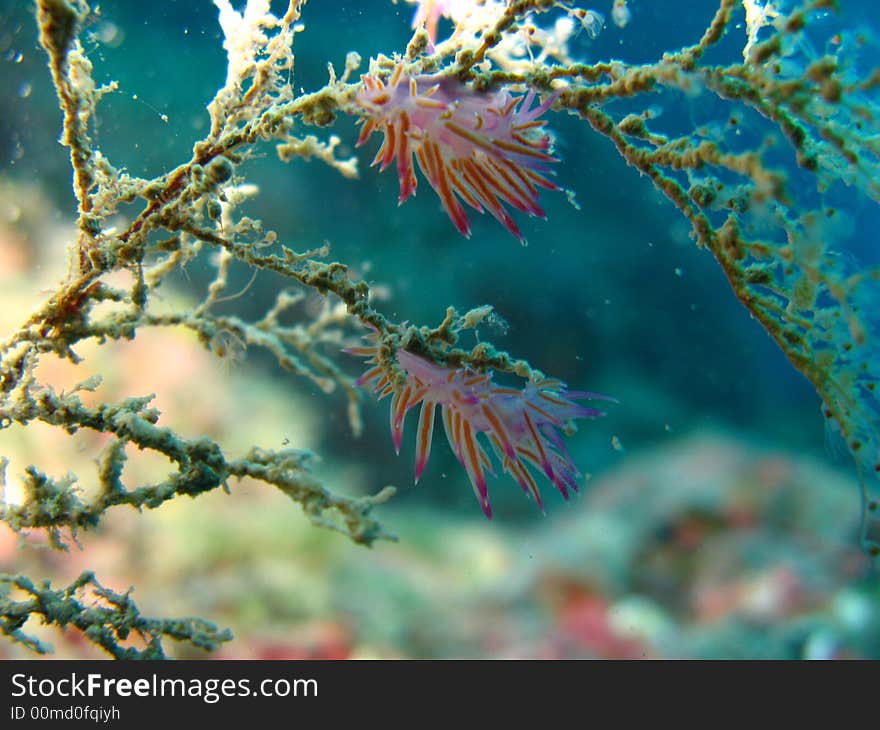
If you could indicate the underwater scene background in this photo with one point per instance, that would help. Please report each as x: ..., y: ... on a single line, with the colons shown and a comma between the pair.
x: 719, y: 515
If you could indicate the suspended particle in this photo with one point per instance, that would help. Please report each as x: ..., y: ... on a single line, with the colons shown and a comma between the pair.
x: 620, y: 13
x: 591, y: 21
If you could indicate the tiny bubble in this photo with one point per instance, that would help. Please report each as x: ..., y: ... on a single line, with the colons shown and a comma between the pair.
x: 18, y: 57
x: 24, y: 91
x: 679, y: 272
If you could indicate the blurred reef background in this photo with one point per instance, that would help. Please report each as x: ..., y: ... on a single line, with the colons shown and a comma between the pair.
x: 721, y: 518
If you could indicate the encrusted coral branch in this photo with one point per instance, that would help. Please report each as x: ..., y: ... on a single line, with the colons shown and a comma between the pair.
x: 771, y: 238
x: 191, y: 208
x: 200, y: 463
x: 106, y: 618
